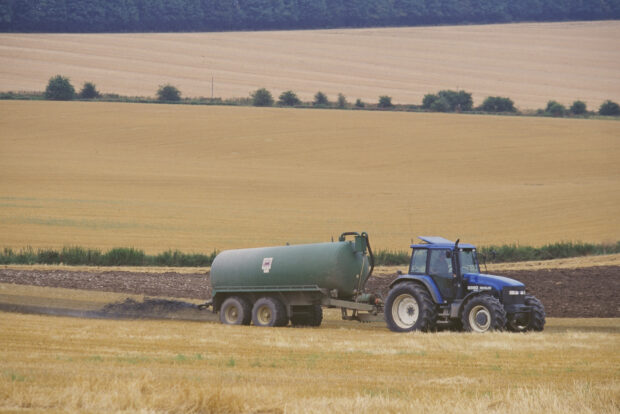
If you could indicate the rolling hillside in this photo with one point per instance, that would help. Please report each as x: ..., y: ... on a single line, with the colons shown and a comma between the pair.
x: 203, y: 178
x: 530, y: 63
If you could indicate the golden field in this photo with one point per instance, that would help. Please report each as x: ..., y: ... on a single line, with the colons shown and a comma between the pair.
x: 202, y: 178
x: 58, y: 364
x: 528, y: 62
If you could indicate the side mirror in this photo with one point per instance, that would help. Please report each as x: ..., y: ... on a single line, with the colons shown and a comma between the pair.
x: 399, y: 272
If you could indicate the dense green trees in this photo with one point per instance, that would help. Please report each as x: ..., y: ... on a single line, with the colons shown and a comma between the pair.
x: 609, y: 108
x: 320, y: 99
x: 262, y: 97
x: 498, y: 104
x: 385, y: 102
x: 288, y: 98
x: 213, y: 15
x: 578, y: 108
x: 89, y: 91
x: 447, y: 100
x: 555, y: 108
x: 168, y: 93
x: 59, y: 88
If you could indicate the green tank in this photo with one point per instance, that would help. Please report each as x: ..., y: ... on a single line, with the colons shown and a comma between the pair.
x: 336, y: 267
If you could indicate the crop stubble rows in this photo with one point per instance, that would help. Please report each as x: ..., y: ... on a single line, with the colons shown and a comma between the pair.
x: 202, y: 178
x: 77, y: 365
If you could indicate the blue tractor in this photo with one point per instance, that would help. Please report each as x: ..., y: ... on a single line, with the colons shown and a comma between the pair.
x: 445, y: 289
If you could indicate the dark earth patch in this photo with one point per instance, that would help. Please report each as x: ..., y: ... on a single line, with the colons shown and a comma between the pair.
x: 582, y: 292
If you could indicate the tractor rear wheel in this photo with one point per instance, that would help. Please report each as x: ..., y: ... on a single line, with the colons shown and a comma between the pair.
x: 534, y: 321
x: 236, y: 311
x: 483, y: 313
x: 409, y: 307
x: 268, y: 311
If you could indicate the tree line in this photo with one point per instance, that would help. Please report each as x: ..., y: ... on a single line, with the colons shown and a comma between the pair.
x: 221, y: 15
x: 59, y: 88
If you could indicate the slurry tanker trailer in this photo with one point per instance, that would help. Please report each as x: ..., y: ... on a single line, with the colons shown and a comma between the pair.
x: 272, y: 286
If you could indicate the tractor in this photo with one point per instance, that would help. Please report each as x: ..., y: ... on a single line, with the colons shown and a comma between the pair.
x: 444, y: 289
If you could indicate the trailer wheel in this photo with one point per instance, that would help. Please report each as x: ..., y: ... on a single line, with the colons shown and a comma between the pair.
x: 409, y: 307
x: 236, y: 311
x: 313, y: 317
x: 268, y: 311
x: 483, y: 313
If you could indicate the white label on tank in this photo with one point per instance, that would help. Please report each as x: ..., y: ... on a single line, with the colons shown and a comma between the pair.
x: 267, y: 264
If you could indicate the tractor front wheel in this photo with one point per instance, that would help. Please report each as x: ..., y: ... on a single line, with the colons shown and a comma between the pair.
x: 537, y: 317
x: 409, y: 307
x: 483, y: 313
x: 533, y: 321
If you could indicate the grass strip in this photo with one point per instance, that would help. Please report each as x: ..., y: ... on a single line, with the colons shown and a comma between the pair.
x: 119, y: 256
x: 129, y: 256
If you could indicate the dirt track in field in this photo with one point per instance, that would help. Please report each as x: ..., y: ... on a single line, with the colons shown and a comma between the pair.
x: 581, y: 292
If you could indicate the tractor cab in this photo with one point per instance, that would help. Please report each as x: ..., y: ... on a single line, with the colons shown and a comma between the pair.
x: 444, y: 262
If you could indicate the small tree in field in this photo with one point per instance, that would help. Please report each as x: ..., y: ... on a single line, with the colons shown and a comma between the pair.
x: 59, y: 89
x: 262, y: 97
x: 342, y: 101
x: 385, y: 102
x: 320, y: 99
x: 578, y: 108
x: 440, y: 104
x: 609, y: 108
x: 498, y: 104
x: 428, y: 100
x: 359, y: 103
x: 89, y: 91
x: 555, y: 109
x: 457, y: 100
x: 168, y: 93
x: 288, y: 98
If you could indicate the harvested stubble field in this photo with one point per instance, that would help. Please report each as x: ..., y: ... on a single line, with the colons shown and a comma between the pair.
x: 529, y: 62
x: 60, y: 364
x: 156, y: 177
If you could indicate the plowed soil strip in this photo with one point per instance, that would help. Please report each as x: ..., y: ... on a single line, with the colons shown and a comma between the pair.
x: 582, y: 292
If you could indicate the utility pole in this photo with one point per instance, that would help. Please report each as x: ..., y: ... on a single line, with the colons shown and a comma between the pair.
x: 211, y: 86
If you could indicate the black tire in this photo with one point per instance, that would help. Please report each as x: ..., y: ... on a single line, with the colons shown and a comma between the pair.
x: 537, y: 317
x: 483, y: 313
x: 236, y: 311
x: 268, y: 311
x: 313, y: 317
x: 534, y: 321
x: 409, y: 307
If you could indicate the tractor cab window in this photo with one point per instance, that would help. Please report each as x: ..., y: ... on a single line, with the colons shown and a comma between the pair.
x: 418, y: 261
x: 440, y: 263
x: 469, y: 264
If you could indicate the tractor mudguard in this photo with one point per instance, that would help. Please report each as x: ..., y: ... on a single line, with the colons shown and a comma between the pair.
x: 457, y: 305
x: 425, y: 281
